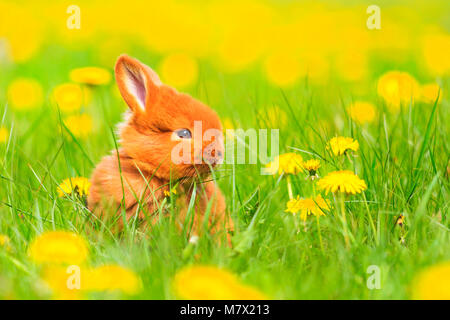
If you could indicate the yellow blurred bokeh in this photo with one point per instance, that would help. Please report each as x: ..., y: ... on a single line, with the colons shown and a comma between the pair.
x: 362, y: 111
x: 289, y: 40
x: 70, y: 97
x: 398, y: 89
x: 25, y: 94
x: 179, y: 70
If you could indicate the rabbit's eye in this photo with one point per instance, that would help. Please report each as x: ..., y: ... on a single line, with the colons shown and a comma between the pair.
x: 183, y: 134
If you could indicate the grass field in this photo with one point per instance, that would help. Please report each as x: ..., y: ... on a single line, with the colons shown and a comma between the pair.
x: 403, y: 157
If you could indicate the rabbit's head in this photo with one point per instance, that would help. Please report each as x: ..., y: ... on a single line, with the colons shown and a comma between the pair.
x: 166, y: 132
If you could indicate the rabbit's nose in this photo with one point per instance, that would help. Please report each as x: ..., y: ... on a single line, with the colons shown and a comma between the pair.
x: 213, y: 155
x: 217, y: 154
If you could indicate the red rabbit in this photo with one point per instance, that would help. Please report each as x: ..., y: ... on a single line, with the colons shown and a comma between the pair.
x: 161, y: 122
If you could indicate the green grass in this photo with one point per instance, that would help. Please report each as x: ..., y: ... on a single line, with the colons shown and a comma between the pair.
x: 403, y: 158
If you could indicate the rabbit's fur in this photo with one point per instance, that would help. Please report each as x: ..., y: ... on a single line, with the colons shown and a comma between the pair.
x: 142, y: 169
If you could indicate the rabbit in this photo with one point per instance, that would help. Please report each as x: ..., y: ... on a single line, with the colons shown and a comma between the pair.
x: 136, y: 177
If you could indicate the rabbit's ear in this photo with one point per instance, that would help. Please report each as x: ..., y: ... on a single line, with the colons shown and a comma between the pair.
x: 138, y: 83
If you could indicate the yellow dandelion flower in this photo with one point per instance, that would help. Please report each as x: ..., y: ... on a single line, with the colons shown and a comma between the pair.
x: 70, y: 97
x: 397, y: 88
x: 308, y: 206
x: 361, y: 111
x: 79, y: 125
x: 79, y: 186
x: 5, y: 242
x: 212, y: 283
x: 61, y: 247
x: 4, y: 134
x: 433, y: 283
x: 311, y: 165
x: 340, y: 145
x: 167, y: 193
x: 4, y: 239
x: 86, y: 279
x: 288, y: 163
x: 400, y: 220
x: 179, y: 70
x: 342, y: 181
x: 57, y: 277
x: 429, y: 93
x: 25, y: 94
x: 110, y: 278
x: 90, y: 75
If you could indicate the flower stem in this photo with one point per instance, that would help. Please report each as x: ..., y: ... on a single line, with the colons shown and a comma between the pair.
x: 296, y: 224
x: 288, y: 179
x: 344, y: 220
x: 320, y: 235
x: 317, y: 219
x: 377, y: 241
x: 352, y: 162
